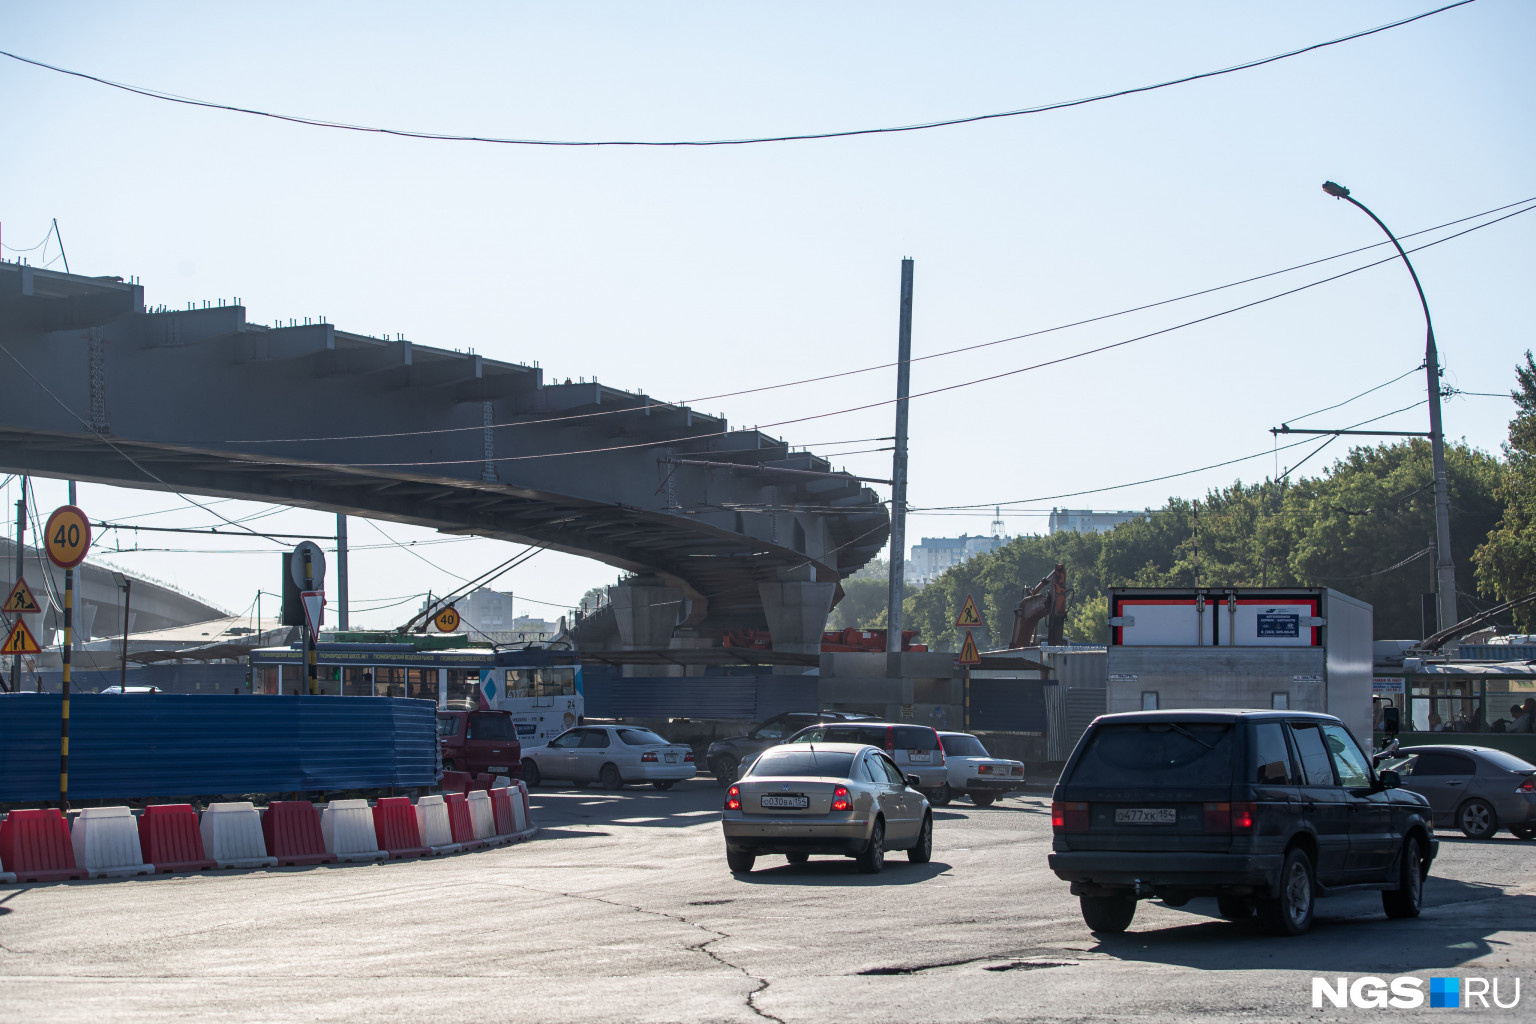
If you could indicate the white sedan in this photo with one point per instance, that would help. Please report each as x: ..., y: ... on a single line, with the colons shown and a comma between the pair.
x: 611, y: 755
x: 976, y: 773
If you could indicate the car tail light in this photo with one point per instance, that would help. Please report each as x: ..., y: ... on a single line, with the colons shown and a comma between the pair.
x: 688, y: 756
x: 649, y: 755
x: 1528, y: 786
x: 1224, y: 818
x: 840, y: 799
x: 733, y: 798
x: 1069, y: 816
x: 890, y: 738
x: 984, y: 769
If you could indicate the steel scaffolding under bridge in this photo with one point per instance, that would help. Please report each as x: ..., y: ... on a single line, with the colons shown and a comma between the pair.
x: 98, y: 388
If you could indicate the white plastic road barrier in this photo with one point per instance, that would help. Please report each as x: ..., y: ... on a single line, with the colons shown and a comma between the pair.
x: 436, y: 829
x: 484, y: 818
x: 232, y: 836
x: 499, y: 781
x: 106, y: 842
x: 347, y: 826
x: 521, y: 812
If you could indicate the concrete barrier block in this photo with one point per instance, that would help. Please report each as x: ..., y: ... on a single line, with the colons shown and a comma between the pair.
x: 232, y: 836
x: 347, y: 827
x: 106, y: 843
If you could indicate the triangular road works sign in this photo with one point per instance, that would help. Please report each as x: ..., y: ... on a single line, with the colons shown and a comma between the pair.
x: 969, y: 617
x: 20, y: 640
x: 968, y: 653
x: 21, y: 601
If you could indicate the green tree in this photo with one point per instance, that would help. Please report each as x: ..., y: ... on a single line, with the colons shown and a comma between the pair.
x: 1506, y: 563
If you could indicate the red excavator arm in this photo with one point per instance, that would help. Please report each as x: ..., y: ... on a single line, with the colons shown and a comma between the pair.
x: 1045, y: 600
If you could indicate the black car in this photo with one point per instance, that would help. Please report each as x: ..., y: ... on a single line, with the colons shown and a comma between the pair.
x: 1263, y: 810
x: 725, y: 757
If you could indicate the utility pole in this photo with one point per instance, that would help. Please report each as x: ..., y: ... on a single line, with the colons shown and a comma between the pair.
x: 127, y: 598
x: 899, y: 478
x: 21, y: 529
x: 341, y: 571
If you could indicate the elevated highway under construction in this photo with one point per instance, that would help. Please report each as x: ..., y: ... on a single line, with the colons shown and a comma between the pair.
x: 725, y: 529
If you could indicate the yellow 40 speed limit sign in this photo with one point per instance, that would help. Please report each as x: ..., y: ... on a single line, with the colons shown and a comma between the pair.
x: 67, y: 537
x: 447, y: 620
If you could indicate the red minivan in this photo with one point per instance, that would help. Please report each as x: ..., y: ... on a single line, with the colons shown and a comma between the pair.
x: 480, y: 742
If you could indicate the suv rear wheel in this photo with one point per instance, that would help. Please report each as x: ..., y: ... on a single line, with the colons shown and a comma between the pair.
x: 1291, y: 912
x: 942, y: 796
x: 1109, y: 914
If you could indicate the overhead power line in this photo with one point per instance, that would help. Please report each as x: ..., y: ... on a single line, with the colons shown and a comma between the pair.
x: 316, y: 122
x: 660, y: 406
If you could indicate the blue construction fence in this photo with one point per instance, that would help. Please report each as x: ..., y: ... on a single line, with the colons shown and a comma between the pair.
x: 190, y: 745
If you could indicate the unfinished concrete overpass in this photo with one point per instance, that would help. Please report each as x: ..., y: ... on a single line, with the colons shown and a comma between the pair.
x: 727, y: 528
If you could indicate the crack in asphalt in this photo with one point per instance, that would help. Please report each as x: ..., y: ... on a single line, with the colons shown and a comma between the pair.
x: 700, y: 947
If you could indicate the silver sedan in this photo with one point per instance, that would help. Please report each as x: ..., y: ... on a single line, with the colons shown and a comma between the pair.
x: 1476, y: 789
x: 844, y: 799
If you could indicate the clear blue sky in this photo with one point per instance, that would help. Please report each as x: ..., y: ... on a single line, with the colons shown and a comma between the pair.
x: 688, y: 272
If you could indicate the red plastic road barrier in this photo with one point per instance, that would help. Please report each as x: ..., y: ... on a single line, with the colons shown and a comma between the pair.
x: 459, y: 820
x: 394, y: 822
x: 292, y: 831
x: 35, y: 846
x: 501, y: 806
x: 522, y: 793
x: 481, y: 782
x: 455, y: 782
x: 170, y: 839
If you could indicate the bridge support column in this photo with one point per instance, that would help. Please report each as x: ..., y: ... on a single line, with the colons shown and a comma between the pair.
x: 646, y: 614
x: 797, y: 613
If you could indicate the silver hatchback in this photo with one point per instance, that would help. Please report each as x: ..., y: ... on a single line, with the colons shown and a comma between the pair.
x: 845, y: 799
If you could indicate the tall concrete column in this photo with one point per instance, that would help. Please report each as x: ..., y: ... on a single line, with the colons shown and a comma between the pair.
x: 797, y: 613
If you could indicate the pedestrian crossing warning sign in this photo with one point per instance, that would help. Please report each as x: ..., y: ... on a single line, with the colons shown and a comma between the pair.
x: 20, y: 640
x: 21, y: 601
x: 968, y: 653
x: 969, y: 616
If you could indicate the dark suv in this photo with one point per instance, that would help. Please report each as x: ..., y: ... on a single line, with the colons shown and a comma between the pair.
x: 725, y: 757
x: 1263, y: 810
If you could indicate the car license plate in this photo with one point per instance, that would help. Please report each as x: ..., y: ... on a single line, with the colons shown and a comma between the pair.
x: 671, y: 759
x: 919, y: 756
x: 497, y: 768
x: 791, y: 800
x: 1146, y: 815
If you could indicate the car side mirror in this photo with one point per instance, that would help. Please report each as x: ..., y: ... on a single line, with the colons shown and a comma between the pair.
x: 1388, y: 779
x: 1389, y: 720
x: 914, y: 781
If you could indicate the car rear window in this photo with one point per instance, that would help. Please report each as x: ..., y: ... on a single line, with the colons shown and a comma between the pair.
x: 916, y: 737
x: 827, y: 764
x: 639, y: 737
x: 490, y: 727
x: 961, y: 745
x: 1157, y: 754
x: 1509, y: 762
x: 874, y: 735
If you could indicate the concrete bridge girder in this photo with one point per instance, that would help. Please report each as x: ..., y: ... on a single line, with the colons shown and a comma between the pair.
x: 309, y: 415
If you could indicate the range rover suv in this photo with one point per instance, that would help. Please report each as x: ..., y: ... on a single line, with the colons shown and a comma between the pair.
x: 1264, y: 810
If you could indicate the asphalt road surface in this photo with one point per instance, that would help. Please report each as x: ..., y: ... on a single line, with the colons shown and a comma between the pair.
x: 622, y: 910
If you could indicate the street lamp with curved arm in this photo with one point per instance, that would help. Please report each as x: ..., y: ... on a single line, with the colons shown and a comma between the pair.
x: 1445, y: 567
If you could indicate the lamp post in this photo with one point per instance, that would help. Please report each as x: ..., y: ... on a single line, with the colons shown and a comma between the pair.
x: 1445, y: 568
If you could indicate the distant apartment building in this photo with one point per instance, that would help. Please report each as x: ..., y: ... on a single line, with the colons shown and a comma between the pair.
x: 936, y: 554
x: 1067, y: 520
x: 489, y: 611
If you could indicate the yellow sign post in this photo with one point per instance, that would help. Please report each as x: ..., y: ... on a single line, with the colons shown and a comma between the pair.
x: 67, y: 538
x: 447, y: 620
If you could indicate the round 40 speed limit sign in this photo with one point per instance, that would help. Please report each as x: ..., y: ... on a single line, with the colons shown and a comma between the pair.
x: 67, y: 537
x: 447, y: 620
